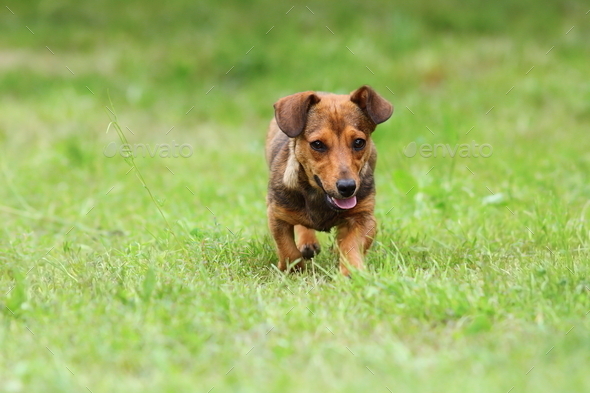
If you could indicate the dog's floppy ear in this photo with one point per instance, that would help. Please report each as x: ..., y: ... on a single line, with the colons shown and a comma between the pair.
x: 377, y: 107
x: 291, y: 112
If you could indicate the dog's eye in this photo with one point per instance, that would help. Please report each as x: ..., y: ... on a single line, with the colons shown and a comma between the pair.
x: 318, y: 146
x: 359, y: 144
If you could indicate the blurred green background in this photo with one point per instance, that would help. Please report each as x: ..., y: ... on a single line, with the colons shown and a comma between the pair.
x: 443, y: 65
x: 480, y: 265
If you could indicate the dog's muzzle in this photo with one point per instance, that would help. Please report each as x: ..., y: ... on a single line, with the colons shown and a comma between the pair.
x: 346, y: 188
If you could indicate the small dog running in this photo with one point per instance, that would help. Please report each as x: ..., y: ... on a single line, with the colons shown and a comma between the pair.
x: 321, y: 160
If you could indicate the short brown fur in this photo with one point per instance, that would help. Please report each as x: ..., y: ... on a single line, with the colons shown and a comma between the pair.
x: 303, y: 180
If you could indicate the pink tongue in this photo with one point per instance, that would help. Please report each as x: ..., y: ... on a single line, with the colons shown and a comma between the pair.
x: 345, y: 203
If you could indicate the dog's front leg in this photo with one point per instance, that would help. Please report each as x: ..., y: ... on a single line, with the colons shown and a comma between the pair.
x: 284, y: 237
x: 307, y: 242
x: 354, y: 239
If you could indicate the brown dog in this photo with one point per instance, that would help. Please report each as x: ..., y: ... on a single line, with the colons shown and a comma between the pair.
x: 321, y: 159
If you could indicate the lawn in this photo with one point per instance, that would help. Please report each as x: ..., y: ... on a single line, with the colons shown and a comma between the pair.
x: 156, y: 272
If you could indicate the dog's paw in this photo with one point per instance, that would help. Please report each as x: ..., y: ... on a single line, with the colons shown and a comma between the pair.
x: 310, y: 250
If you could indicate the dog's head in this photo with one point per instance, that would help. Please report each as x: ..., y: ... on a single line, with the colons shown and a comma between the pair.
x: 331, y: 139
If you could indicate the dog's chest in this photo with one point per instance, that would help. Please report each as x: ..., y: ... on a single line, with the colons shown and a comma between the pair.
x: 319, y: 216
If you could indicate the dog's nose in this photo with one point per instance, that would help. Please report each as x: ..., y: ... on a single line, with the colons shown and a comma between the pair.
x: 346, y: 187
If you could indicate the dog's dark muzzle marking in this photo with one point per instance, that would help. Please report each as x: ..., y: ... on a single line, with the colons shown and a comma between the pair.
x: 328, y: 197
x: 319, y: 182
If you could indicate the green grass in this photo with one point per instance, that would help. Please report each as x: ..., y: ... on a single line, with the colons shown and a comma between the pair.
x: 479, y: 279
